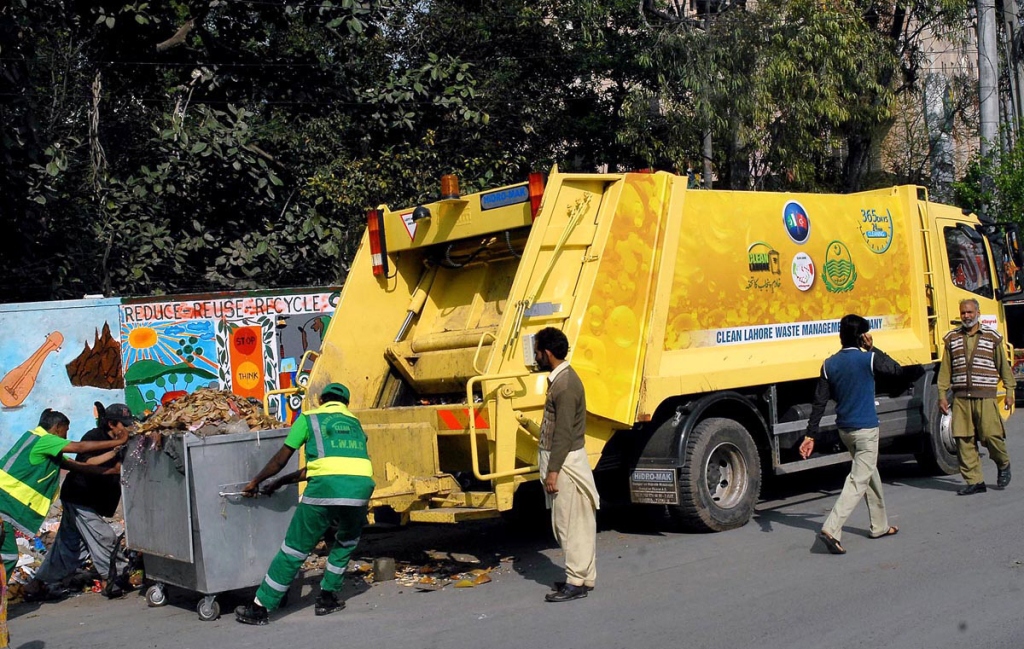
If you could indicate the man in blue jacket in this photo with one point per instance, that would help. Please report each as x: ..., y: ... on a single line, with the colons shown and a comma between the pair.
x: 848, y: 378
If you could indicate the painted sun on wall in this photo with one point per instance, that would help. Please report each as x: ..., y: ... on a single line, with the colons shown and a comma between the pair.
x: 164, y: 360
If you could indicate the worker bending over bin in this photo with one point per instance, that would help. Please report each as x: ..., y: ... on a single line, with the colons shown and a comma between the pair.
x: 30, y: 476
x: 338, y: 489
x: 88, y: 500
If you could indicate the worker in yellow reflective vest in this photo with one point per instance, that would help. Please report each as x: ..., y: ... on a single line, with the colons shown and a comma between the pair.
x: 30, y: 475
x: 338, y: 489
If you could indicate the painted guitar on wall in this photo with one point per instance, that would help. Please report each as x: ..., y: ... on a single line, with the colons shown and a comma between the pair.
x: 18, y: 383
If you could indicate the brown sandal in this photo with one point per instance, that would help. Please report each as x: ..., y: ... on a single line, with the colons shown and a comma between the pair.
x: 831, y: 543
x: 892, y: 531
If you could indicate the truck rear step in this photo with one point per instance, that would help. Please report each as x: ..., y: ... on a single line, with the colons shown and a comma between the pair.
x: 452, y: 514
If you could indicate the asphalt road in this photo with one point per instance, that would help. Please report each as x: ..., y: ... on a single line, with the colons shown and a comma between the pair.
x: 953, y: 577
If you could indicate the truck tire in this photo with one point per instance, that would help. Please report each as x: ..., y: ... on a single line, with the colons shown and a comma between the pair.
x: 937, y: 454
x: 720, y: 479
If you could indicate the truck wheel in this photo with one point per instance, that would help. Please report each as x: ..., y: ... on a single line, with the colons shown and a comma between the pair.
x: 937, y: 454
x: 720, y: 479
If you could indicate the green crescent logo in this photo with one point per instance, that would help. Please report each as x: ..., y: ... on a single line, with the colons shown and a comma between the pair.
x: 839, y: 273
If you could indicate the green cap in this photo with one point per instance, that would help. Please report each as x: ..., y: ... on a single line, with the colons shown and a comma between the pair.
x: 336, y: 390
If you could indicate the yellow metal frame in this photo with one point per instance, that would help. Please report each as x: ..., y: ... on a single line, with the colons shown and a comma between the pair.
x: 298, y: 389
x: 576, y: 213
x: 474, y: 460
x: 479, y: 347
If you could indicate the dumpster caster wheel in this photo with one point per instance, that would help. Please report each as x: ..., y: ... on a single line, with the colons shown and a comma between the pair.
x: 208, y: 609
x: 155, y: 595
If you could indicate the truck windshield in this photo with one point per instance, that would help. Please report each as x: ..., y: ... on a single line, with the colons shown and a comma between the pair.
x: 968, y: 262
x: 1004, y: 239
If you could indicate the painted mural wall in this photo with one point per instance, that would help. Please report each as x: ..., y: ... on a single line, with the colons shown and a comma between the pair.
x: 145, y: 352
x: 62, y: 355
x: 249, y: 344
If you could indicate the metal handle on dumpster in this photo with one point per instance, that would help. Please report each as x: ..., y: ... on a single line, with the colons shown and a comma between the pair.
x: 232, y: 490
x: 473, y: 459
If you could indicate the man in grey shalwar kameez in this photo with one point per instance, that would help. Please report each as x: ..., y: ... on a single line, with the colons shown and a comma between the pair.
x: 565, y: 469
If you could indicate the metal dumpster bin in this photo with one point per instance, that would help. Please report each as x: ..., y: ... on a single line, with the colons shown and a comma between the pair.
x: 182, y: 512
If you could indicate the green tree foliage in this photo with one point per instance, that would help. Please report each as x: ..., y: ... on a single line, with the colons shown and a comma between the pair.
x: 222, y: 144
x: 796, y: 93
x: 1003, y: 197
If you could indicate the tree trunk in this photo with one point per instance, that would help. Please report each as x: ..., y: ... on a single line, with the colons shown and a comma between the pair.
x: 858, y: 154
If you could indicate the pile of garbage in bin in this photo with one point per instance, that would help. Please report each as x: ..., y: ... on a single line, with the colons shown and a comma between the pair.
x: 209, y: 411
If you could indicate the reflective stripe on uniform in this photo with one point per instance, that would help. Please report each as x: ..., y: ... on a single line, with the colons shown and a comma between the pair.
x: 276, y: 586
x: 24, y: 494
x: 349, y: 544
x: 354, y: 466
x: 8, y: 557
x: 346, y: 502
x: 315, y: 421
x: 335, y: 569
x: 292, y: 552
x: 10, y: 462
x: 9, y: 519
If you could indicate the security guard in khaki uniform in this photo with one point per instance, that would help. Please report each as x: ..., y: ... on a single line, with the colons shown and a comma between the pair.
x: 338, y: 489
x: 973, y: 364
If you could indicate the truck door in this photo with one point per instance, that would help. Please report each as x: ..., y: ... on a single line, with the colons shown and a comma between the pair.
x: 966, y: 263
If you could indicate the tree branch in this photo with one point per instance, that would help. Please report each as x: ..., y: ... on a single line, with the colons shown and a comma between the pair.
x: 178, y: 38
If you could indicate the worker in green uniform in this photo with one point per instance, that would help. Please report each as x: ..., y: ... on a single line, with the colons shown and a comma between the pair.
x: 973, y: 364
x: 30, y: 475
x: 338, y: 489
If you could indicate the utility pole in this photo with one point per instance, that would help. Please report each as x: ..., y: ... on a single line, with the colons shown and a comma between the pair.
x: 1011, y: 27
x: 988, y: 90
x: 988, y: 77
x: 708, y: 150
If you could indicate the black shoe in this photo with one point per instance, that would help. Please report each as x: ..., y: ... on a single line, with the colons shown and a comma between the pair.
x: 1003, y: 481
x: 47, y: 595
x: 567, y: 593
x: 559, y: 585
x: 117, y: 588
x: 972, y: 489
x: 327, y: 603
x: 113, y: 591
x: 252, y: 614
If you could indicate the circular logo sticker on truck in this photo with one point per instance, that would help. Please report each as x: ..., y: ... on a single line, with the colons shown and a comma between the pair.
x: 803, y: 271
x: 798, y: 224
x: 838, y: 273
x: 877, y: 230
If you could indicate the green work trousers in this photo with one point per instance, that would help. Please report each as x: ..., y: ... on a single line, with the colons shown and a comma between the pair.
x: 978, y: 420
x: 308, y: 526
x: 863, y: 483
x: 9, y: 550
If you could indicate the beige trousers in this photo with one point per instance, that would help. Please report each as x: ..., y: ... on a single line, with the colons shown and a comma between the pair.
x: 863, y: 482
x: 978, y: 420
x: 574, y: 516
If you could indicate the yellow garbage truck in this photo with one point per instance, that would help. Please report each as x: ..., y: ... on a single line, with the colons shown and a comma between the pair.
x: 697, y: 320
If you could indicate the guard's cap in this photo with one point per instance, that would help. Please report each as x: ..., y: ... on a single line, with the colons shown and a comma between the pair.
x: 336, y: 390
